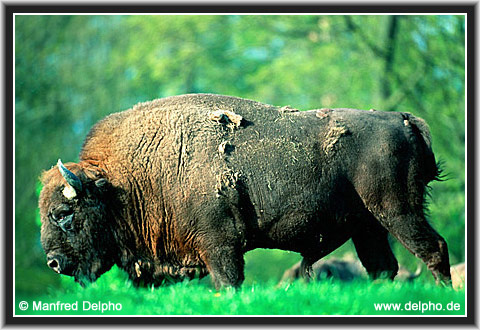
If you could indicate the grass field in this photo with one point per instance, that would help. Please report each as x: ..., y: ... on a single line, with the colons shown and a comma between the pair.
x: 299, y: 298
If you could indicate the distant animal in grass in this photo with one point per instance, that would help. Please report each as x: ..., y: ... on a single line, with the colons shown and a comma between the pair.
x: 343, y: 269
x: 458, y: 276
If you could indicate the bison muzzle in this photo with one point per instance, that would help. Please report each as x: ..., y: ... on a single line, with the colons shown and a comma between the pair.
x: 182, y: 187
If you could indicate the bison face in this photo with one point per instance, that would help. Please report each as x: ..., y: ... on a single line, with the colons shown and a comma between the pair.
x: 76, y: 234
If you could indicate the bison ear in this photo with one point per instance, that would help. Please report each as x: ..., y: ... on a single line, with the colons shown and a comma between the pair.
x: 101, y: 183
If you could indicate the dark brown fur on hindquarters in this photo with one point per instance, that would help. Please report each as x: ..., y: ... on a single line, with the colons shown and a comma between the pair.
x: 186, y: 185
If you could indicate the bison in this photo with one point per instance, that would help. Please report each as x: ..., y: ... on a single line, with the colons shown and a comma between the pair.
x: 344, y: 269
x: 183, y: 186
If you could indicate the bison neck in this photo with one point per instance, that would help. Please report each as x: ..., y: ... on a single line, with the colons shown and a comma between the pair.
x: 147, y: 236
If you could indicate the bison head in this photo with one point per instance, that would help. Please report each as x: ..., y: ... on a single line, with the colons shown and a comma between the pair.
x: 76, y: 234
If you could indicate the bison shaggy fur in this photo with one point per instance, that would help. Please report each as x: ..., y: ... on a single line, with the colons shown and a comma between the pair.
x: 183, y: 186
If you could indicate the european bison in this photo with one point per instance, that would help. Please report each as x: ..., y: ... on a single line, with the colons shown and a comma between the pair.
x: 184, y: 186
x: 344, y: 269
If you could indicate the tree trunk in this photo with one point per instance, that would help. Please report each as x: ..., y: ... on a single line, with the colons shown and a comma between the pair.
x: 389, y: 57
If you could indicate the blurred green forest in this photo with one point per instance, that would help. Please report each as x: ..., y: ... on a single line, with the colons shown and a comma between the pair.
x: 71, y: 71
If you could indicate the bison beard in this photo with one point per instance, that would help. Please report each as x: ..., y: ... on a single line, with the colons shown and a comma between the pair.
x: 183, y: 186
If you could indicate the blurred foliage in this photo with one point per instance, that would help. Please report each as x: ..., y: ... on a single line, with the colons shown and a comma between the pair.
x: 70, y: 71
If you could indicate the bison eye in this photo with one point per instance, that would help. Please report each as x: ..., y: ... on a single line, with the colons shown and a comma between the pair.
x: 63, y: 218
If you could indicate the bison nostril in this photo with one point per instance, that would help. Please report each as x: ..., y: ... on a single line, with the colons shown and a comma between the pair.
x: 53, y: 264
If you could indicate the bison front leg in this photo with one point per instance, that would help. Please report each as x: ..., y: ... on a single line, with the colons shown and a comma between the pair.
x: 219, y: 245
x: 225, y: 264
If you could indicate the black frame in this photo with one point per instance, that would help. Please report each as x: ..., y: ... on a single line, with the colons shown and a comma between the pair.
x: 11, y: 10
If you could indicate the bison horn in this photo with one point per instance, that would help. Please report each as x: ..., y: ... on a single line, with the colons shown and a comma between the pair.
x: 418, y: 271
x: 71, y: 178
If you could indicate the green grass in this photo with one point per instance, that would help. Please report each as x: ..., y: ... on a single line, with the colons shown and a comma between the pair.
x: 199, y: 298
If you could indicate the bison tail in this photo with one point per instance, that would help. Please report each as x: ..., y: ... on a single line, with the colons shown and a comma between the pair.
x: 420, y: 130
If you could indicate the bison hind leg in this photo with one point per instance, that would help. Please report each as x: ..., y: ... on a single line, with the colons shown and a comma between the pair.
x: 306, y: 270
x: 409, y: 226
x: 374, y: 251
x: 406, y: 221
x: 416, y: 234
